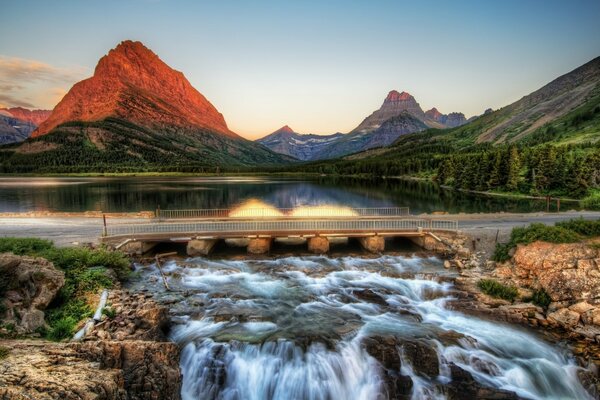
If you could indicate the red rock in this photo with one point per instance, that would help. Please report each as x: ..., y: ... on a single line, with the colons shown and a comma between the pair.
x: 134, y: 84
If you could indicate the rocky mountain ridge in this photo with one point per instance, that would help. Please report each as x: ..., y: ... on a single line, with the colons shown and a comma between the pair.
x: 399, y: 114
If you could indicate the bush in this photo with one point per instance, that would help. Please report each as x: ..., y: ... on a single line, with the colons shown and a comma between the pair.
x: 86, y: 271
x: 592, y: 202
x: 62, y: 328
x: 533, y: 233
x: 110, y: 312
x: 24, y: 246
x: 582, y: 226
x: 496, y: 289
x: 541, y: 298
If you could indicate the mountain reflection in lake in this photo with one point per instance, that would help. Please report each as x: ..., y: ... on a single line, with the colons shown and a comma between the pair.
x: 146, y: 193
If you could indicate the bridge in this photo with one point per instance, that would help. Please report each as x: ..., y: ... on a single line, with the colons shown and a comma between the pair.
x: 257, y: 228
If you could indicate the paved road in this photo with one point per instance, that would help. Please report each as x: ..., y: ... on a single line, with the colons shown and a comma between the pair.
x: 66, y: 231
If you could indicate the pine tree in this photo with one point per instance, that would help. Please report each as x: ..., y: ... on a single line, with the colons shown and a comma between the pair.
x: 514, y: 169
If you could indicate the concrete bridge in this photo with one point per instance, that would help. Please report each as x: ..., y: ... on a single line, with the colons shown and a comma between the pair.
x: 256, y: 229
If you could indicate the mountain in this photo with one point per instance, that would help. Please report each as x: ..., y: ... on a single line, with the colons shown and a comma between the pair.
x: 384, y: 135
x: 136, y: 112
x: 451, y: 120
x: 133, y: 84
x: 300, y: 146
x: 36, y: 117
x: 16, y: 124
x: 399, y: 115
x: 394, y: 104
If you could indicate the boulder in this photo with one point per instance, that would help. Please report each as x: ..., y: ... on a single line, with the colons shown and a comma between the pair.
x: 564, y: 317
x: 567, y: 272
x: 31, y: 284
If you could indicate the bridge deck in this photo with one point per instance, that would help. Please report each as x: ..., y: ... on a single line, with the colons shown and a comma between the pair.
x: 262, y: 227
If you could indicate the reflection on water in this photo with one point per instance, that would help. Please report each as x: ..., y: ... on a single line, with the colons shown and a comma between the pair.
x: 146, y: 193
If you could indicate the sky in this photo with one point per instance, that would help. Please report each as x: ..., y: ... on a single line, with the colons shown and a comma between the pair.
x: 318, y: 66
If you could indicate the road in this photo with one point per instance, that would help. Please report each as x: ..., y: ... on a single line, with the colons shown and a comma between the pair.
x: 66, y: 231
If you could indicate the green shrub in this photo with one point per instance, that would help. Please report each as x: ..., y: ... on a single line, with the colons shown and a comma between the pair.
x: 496, y: 289
x: 4, y: 351
x: 541, y: 298
x: 62, y: 328
x: 24, y: 246
x: 592, y: 202
x: 582, y: 226
x: 86, y: 271
x: 533, y: 233
x: 110, y: 312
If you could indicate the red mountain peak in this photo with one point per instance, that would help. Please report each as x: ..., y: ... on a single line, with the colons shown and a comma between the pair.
x: 395, y: 96
x: 133, y: 83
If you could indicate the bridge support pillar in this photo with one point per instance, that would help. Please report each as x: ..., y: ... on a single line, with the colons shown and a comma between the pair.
x: 372, y: 244
x: 259, y: 245
x: 138, y: 247
x: 318, y: 245
x: 200, y: 247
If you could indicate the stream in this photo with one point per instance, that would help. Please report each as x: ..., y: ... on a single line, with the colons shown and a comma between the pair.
x: 294, y: 328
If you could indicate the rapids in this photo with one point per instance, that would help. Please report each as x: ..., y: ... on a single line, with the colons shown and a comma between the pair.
x: 292, y: 328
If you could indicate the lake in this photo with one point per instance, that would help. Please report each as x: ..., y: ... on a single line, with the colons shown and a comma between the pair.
x: 128, y: 194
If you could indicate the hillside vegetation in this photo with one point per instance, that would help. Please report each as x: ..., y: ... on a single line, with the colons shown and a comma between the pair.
x: 115, y: 145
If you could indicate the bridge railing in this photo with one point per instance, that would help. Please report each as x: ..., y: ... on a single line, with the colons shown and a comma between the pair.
x: 271, y: 213
x: 300, y: 226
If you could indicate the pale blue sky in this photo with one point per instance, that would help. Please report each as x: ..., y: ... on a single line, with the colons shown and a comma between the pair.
x: 318, y: 66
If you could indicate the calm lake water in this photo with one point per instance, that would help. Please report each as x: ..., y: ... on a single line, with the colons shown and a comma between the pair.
x: 145, y: 193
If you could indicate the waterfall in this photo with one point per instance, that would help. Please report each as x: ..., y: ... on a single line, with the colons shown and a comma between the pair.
x: 293, y: 328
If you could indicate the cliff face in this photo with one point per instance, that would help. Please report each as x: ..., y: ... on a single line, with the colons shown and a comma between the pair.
x: 134, y: 84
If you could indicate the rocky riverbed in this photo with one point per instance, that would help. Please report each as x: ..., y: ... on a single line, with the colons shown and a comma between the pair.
x: 392, y: 326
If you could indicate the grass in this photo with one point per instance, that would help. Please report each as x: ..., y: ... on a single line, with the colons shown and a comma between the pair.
x: 496, y: 289
x: 86, y: 271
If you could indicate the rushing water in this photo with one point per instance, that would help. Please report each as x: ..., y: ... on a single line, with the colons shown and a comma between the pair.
x: 293, y: 328
x: 146, y: 193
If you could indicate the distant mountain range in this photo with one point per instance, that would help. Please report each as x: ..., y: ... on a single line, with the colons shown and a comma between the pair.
x: 16, y: 124
x: 136, y: 112
x: 399, y: 114
x: 565, y: 111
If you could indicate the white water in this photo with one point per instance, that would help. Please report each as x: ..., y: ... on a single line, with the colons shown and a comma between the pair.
x: 292, y: 329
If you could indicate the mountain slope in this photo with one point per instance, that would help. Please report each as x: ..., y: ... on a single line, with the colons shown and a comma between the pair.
x: 300, y: 146
x: 36, y: 117
x: 384, y: 135
x: 135, y: 111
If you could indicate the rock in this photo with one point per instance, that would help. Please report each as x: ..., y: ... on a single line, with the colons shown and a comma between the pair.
x: 90, y: 370
x: 447, y: 264
x: 564, y: 317
x: 581, y: 307
x: 464, y: 386
x: 385, y: 350
x: 423, y: 358
x: 562, y: 270
x: 34, y: 283
x: 369, y: 296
